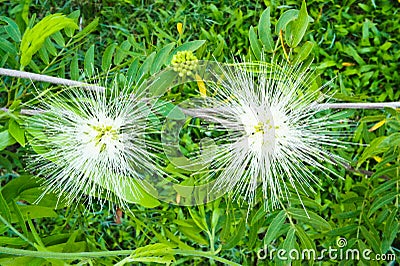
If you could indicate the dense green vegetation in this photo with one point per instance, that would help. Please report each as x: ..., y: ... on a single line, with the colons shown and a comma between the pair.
x: 354, y: 45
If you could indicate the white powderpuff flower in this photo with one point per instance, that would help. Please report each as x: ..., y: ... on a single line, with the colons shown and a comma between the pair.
x: 276, y: 137
x: 92, y: 144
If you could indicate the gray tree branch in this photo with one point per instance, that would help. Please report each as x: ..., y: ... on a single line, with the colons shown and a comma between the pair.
x: 67, y: 82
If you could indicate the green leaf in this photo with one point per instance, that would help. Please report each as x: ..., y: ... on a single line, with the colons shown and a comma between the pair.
x: 173, y: 238
x: 194, y: 235
x: 379, y: 202
x: 304, y: 52
x: 75, y: 16
x: 169, y: 110
x: 139, y: 192
x: 13, y: 241
x: 384, y: 168
x: 188, y: 46
x: 13, y: 188
x: 107, y: 57
x: 347, y: 215
x: 61, y: 70
x: 34, y: 212
x: 200, y: 221
x: 11, y: 29
x: 35, y: 234
x: 17, y: 132
x: 16, y: 216
x: 4, y: 210
x: 145, y: 68
x: 372, y: 239
x: 88, y: 29
x: 74, y: 68
x: 122, y: 81
x: 161, y: 83
x: 220, y: 48
x: 304, y: 201
x: 89, y: 61
x: 372, y: 118
x: 161, y: 58
x: 22, y: 261
x: 6, y: 139
x: 289, y: 243
x: 6, y: 164
x: 296, y: 28
x: 69, y: 247
x: 122, y: 52
x: 237, y: 235
x: 348, y: 229
x: 132, y: 70
x: 375, y: 147
x: 185, y: 188
x: 157, y: 253
x: 215, y: 217
x: 25, y: 10
x: 305, y: 239
x: 274, y: 227
x: 390, y: 184
x: 7, y: 47
x: 393, y: 140
x: 264, y: 31
x: 79, y: 246
x: 253, y: 235
x: 50, y: 46
x: 254, y: 43
x: 349, y: 50
x: 284, y: 19
x: 43, y: 55
x: 313, y: 219
x: 59, y: 39
x: 225, y: 232
x: 33, y: 38
x: 31, y: 195
x: 390, y: 231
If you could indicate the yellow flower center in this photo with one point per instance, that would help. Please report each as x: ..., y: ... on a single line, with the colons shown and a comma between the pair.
x: 106, y: 134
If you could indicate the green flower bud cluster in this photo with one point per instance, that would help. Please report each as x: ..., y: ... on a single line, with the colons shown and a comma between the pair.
x: 184, y: 63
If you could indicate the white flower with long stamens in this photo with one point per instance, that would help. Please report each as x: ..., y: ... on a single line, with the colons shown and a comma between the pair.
x: 276, y: 136
x: 92, y: 143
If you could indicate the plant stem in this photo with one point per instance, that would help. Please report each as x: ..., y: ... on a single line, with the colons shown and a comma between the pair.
x: 25, y: 111
x: 3, y: 220
x: 99, y: 254
x: 65, y: 256
x: 324, y: 106
x: 44, y: 78
x: 207, y: 113
x: 205, y: 255
x: 67, y: 82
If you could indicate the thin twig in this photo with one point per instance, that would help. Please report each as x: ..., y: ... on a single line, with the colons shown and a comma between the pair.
x: 25, y: 111
x: 324, y: 106
x: 283, y: 45
x: 108, y: 253
x: 209, y: 113
x: 352, y: 169
x: 67, y: 82
x: 362, y: 171
x: 45, y: 78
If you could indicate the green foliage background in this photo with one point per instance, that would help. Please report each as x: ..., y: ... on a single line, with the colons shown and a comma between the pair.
x: 355, y: 43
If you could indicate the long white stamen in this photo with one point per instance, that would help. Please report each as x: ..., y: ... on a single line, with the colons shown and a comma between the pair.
x: 273, y: 132
x: 93, y: 142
